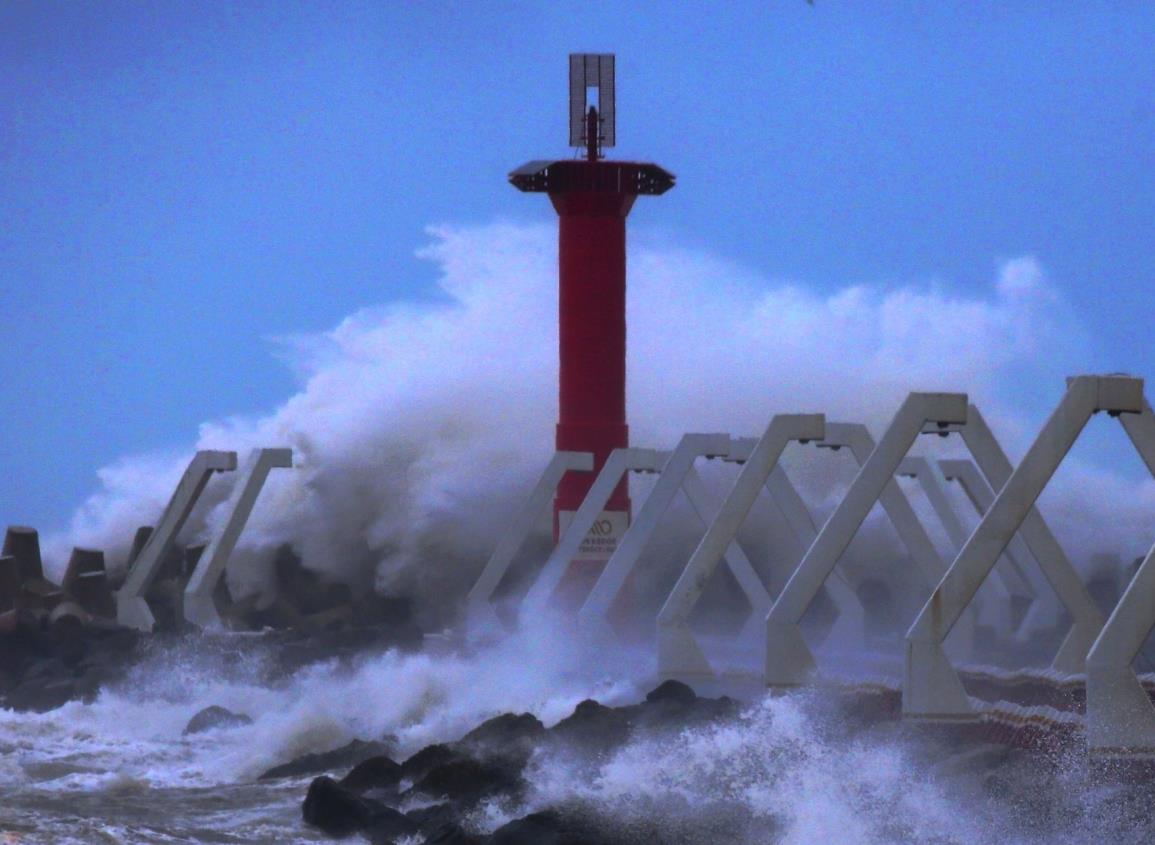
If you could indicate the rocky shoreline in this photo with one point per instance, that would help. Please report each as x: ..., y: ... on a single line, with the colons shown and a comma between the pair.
x: 431, y: 796
x: 44, y: 666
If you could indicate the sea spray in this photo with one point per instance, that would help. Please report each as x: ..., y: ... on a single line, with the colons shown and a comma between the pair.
x: 419, y: 427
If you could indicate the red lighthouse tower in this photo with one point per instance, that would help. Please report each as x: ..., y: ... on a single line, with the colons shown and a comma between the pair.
x: 592, y: 197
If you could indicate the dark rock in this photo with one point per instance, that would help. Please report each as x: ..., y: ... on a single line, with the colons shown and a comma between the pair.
x: 215, y: 717
x: 452, y: 834
x: 674, y: 707
x: 672, y: 690
x: 468, y: 780
x: 592, y: 727
x: 375, y: 773
x: 433, y: 817
x: 50, y: 669
x: 548, y: 828
x: 427, y: 759
x: 388, y: 825
x: 506, y: 734
x: 41, y: 695
x: 346, y: 756
x: 334, y: 809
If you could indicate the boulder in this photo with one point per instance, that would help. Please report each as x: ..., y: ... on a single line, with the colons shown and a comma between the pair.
x: 452, y: 834
x: 674, y: 691
x: 213, y: 717
x: 41, y: 694
x: 592, y: 728
x: 467, y: 780
x: 506, y: 735
x: 433, y: 817
x: 548, y: 827
x: 428, y: 758
x: 340, y: 811
x: 339, y: 758
x: 334, y: 809
x: 379, y: 772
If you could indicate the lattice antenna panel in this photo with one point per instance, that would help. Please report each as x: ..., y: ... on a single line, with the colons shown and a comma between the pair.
x: 586, y: 71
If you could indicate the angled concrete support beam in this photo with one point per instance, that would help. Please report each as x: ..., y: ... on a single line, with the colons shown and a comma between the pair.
x: 856, y: 437
x: 850, y: 622
x: 131, y: 608
x: 965, y: 471
x: 199, y: 607
x: 594, y: 613
x: 679, y: 473
x: 1120, y: 715
x: 789, y: 661
x: 1056, y: 567
x: 932, y: 689
x: 679, y: 654
x: 996, y: 609
x: 481, y: 620
x: 1045, y: 609
x: 617, y: 465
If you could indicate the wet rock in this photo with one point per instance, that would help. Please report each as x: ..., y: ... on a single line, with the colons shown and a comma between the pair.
x: 336, y: 810
x: 673, y: 691
x: 467, y: 780
x: 549, y: 827
x: 592, y: 728
x: 388, y: 825
x: 509, y: 735
x: 215, y: 717
x: 379, y: 772
x: 41, y: 695
x: 51, y: 668
x: 427, y: 759
x: 452, y: 834
x: 433, y: 817
x: 339, y: 758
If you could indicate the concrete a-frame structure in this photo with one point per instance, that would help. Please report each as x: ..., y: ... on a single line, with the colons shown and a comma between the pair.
x: 131, y: 607
x: 481, y: 620
x: 789, y: 661
x: 932, y: 688
x: 199, y: 606
x: 617, y: 465
x: 679, y: 655
x: 1045, y: 609
x: 679, y: 473
x: 1120, y: 715
x: 1009, y: 582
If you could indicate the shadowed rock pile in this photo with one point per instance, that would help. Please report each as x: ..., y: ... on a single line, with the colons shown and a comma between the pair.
x: 430, y: 797
x: 43, y: 668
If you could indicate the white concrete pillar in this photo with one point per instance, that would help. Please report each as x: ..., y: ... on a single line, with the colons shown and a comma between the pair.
x: 131, y: 608
x: 199, y: 607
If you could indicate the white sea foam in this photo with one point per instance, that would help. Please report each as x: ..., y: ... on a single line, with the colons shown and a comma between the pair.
x: 786, y: 771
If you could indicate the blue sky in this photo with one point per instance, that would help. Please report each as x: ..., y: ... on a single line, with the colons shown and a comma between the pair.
x: 181, y: 184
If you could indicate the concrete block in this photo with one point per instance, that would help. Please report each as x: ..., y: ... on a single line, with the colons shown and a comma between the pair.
x: 86, y: 581
x: 23, y: 543
x: 81, y: 562
x: 9, y: 583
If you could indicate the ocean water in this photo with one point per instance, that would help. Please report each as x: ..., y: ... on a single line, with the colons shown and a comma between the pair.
x: 788, y: 770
